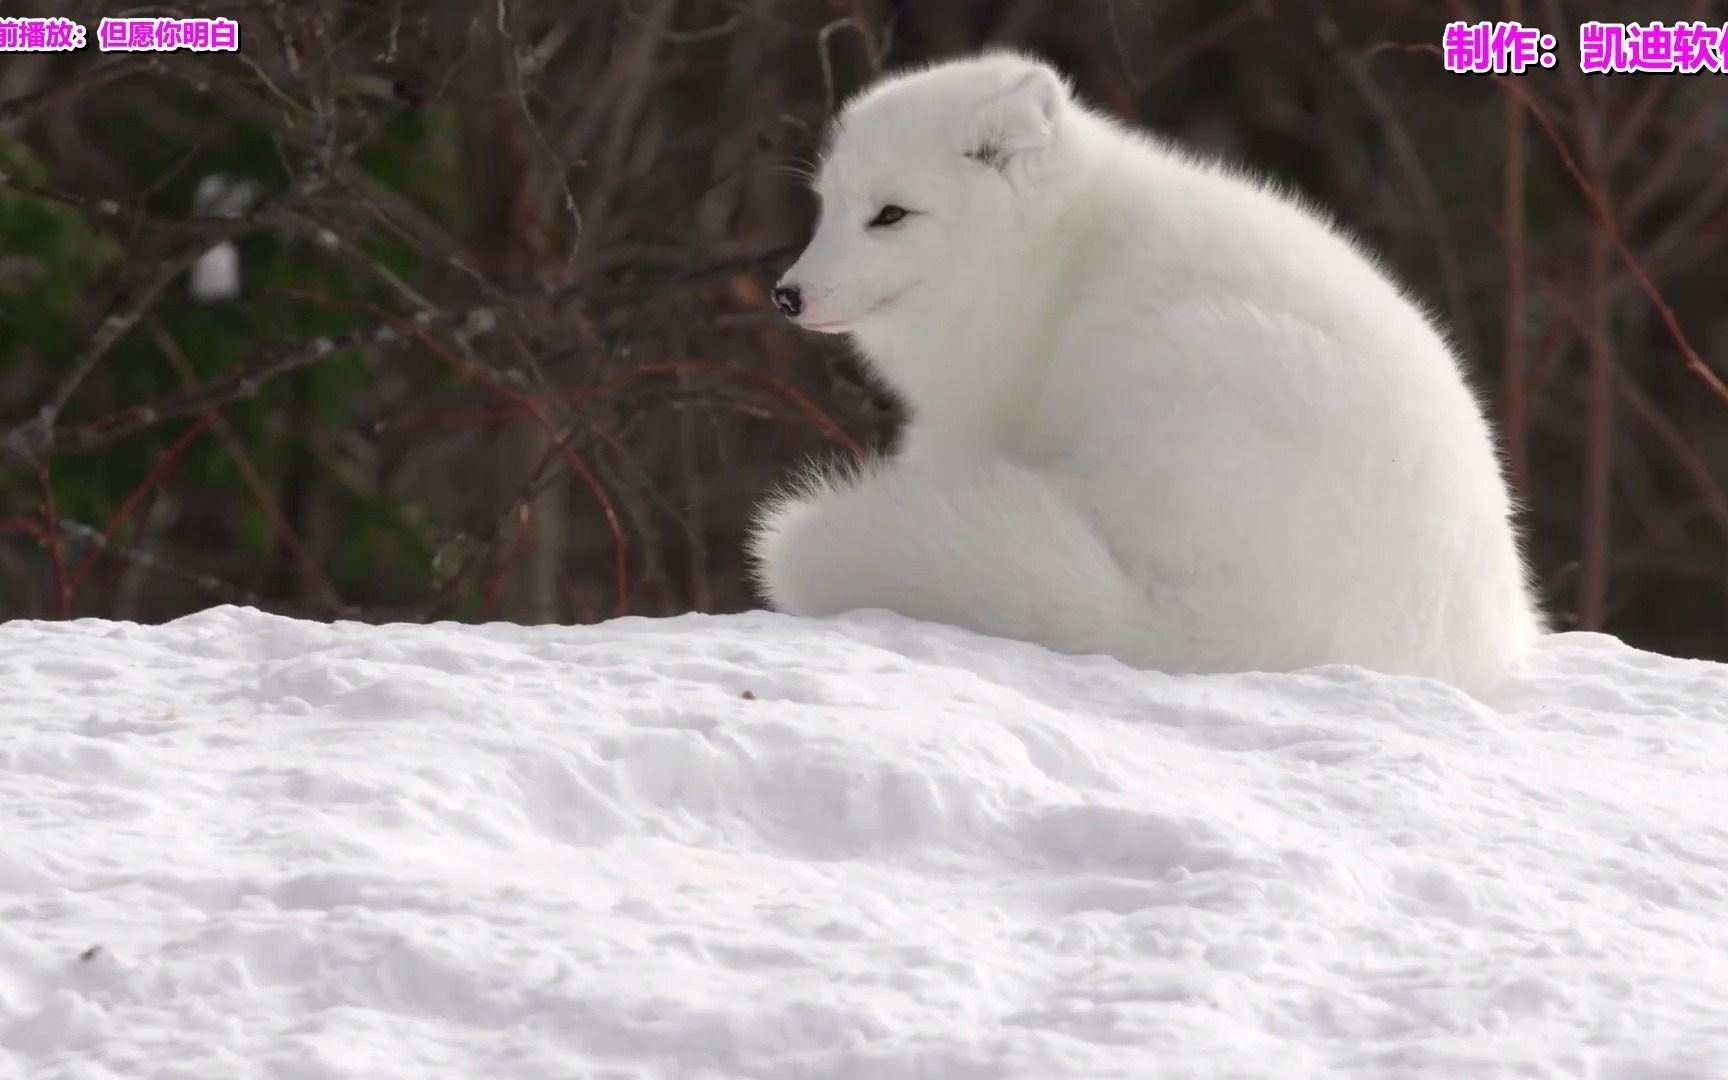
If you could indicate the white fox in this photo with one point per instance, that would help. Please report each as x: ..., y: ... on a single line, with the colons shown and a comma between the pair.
x: 1159, y: 410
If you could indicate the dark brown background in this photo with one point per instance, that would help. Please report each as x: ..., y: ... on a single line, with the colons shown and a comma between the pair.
x: 503, y: 349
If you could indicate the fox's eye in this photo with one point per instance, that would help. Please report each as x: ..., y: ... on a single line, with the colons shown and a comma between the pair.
x: 888, y: 215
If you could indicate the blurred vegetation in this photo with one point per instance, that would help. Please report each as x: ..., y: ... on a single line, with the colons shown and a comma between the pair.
x: 501, y: 347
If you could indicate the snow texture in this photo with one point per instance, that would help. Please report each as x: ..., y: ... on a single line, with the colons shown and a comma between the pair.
x: 241, y: 846
x: 215, y: 277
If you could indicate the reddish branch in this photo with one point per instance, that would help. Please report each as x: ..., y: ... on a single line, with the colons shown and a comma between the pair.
x: 530, y: 407
x: 823, y: 420
x: 1515, y: 358
x: 495, y: 585
x: 216, y: 393
x: 1602, y: 217
x: 51, y: 541
x: 284, y: 532
x: 165, y: 465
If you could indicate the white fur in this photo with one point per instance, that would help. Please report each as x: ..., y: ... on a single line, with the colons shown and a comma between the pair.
x: 1159, y: 410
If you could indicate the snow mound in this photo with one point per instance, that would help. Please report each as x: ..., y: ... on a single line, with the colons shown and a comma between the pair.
x: 242, y: 846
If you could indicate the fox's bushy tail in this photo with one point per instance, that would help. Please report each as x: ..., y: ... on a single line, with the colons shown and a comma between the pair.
x: 988, y: 546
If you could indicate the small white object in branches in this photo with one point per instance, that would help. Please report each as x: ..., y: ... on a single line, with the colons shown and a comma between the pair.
x: 216, y: 275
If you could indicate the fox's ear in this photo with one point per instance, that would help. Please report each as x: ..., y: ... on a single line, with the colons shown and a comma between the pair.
x: 1020, y: 118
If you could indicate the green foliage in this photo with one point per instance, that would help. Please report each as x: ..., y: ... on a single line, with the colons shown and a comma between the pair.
x: 50, y: 257
x: 58, y: 270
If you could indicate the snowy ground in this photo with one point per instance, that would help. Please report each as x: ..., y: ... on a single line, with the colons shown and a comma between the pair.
x: 241, y: 846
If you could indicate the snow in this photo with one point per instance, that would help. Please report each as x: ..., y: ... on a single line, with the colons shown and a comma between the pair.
x: 215, y: 277
x: 240, y: 846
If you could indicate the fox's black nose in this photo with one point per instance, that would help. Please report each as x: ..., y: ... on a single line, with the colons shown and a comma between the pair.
x: 789, y: 300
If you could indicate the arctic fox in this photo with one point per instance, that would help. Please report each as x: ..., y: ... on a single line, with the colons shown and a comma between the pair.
x: 1158, y: 409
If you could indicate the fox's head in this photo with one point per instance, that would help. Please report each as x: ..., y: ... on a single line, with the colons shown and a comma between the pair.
x: 925, y: 174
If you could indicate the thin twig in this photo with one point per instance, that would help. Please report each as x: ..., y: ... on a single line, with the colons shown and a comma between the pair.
x: 499, y: 385
x: 249, y: 475
x: 164, y: 465
x: 1599, y: 212
x: 1515, y: 425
